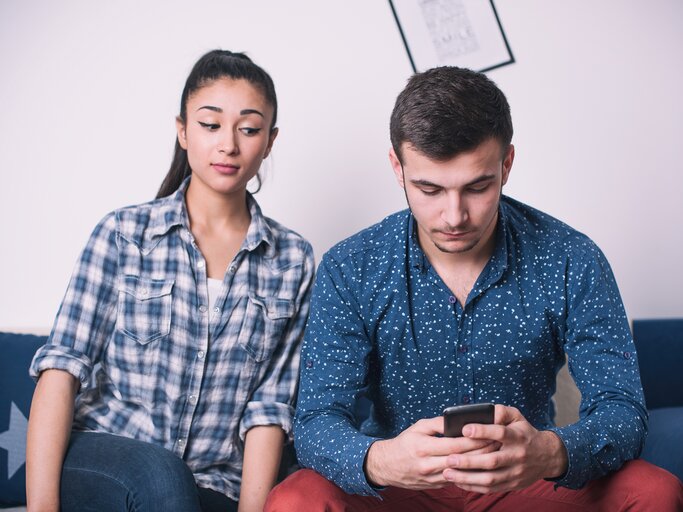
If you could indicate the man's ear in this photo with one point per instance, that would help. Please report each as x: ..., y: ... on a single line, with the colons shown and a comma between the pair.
x: 182, y: 134
x: 397, y: 167
x: 507, y: 163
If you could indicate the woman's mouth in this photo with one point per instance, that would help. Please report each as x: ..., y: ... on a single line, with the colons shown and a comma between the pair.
x: 227, y: 169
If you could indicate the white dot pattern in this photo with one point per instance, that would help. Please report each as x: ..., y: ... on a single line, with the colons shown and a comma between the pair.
x: 383, y: 324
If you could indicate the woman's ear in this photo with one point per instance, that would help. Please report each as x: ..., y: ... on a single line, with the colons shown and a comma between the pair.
x: 271, y: 139
x: 182, y: 133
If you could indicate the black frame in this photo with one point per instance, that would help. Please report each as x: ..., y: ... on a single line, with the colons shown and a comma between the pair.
x: 510, y: 60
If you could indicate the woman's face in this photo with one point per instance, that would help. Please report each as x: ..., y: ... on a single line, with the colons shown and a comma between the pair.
x: 227, y: 134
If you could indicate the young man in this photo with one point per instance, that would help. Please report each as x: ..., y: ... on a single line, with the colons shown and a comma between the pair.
x: 466, y: 297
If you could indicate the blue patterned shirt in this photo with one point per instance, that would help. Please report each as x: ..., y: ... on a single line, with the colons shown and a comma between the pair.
x: 384, y: 324
x: 174, y: 370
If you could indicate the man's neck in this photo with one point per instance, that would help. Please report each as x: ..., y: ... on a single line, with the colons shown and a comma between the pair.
x: 460, y: 270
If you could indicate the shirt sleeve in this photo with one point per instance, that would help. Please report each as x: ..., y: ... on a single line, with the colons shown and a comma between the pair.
x: 602, y: 360
x: 335, y: 359
x: 273, y: 400
x: 87, y: 314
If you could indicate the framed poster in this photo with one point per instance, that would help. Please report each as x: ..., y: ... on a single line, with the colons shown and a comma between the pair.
x: 464, y: 33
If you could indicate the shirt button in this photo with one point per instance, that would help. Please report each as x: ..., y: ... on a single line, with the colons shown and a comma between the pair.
x: 452, y: 299
x: 232, y: 269
x: 144, y: 291
x: 309, y: 364
x: 466, y: 399
x: 216, y: 310
x: 200, y: 264
x: 462, y: 349
x: 181, y: 442
x: 192, y: 399
x: 200, y: 354
x: 202, y: 308
x: 627, y: 355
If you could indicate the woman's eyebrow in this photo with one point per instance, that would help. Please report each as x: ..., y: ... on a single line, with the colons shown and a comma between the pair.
x: 247, y: 111
x: 211, y: 107
x: 243, y: 112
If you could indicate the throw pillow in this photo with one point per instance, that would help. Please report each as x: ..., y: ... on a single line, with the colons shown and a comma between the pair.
x: 16, y: 391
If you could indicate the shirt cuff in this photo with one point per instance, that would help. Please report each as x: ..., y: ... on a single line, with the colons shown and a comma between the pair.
x: 578, y: 457
x: 260, y: 414
x: 56, y: 357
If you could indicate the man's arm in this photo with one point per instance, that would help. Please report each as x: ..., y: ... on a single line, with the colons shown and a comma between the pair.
x: 603, y: 363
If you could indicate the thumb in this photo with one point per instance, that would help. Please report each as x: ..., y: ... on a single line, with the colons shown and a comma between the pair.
x: 505, y: 415
x: 429, y: 426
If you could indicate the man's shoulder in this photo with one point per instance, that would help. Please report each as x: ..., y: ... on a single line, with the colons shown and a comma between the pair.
x: 382, y: 237
x: 530, y: 225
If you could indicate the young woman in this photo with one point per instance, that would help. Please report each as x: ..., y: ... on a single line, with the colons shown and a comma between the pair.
x: 192, y: 306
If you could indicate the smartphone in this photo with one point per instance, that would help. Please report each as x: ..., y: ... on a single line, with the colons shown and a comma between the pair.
x: 456, y: 417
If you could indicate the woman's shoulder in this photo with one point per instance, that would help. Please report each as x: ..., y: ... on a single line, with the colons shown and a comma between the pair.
x: 286, y: 246
x: 142, y: 221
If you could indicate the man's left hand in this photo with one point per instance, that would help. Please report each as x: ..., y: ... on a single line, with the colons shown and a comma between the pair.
x: 525, y: 456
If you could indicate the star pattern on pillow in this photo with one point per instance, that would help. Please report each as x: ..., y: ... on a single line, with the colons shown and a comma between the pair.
x: 13, y: 440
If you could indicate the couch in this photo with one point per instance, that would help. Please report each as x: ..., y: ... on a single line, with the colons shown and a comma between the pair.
x: 660, y: 350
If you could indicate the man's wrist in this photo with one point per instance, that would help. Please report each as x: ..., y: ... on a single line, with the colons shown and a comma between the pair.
x: 373, y: 464
x: 558, y: 459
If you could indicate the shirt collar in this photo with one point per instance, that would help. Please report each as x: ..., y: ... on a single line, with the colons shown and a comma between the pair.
x: 172, y: 212
x: 497, y: 264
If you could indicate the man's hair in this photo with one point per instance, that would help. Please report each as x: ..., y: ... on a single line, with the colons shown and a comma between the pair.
x: 448, y: 110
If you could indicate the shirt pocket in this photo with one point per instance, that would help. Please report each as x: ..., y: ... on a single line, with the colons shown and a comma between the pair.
x: 144, y: 309
x: 264, y: 322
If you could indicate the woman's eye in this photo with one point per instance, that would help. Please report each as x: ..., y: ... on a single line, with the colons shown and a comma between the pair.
x: 209, y: 126
x: 250, y: 131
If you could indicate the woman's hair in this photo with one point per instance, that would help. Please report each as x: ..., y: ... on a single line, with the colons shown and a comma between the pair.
x: 213, y: 66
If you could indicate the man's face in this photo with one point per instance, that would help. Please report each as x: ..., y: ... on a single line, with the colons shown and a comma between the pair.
x: 455, y: 202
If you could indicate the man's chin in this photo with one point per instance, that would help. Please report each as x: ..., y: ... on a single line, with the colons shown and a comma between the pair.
x: 456, y: 247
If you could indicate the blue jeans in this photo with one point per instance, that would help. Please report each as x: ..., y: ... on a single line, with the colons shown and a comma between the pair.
x: 107, y: 473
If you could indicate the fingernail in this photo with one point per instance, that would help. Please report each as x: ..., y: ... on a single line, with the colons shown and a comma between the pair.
x: 467, y: 430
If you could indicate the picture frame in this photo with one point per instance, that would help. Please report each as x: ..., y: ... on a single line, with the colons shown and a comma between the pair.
x: 463, y: 33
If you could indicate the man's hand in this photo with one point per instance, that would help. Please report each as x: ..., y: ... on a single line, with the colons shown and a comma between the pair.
x: 416, y: 459
x: 525, y: 455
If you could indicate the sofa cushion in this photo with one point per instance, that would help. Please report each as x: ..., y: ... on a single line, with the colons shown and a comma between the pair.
x: 664, y: 443
x: 16, y: 391
x: 660, y: 357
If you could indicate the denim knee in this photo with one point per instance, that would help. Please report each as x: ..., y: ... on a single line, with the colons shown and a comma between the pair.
x: 109, y: 472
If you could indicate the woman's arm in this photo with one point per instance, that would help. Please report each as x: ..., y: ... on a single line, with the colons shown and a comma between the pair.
x: 49, y: 427
x: 262, y: 454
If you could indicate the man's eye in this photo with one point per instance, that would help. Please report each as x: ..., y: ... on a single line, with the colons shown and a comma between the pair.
x: 429, y: 191
x: 209, y: 126
x: 250, y: 131
x: 479, y: 190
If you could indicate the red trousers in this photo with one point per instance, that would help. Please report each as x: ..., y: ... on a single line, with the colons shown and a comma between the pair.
x: 637, y: 486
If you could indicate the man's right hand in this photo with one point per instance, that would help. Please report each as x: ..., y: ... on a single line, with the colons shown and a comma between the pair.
x: 416, y: 458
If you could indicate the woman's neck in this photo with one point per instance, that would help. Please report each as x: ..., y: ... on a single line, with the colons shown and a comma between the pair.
x: 214, y: 211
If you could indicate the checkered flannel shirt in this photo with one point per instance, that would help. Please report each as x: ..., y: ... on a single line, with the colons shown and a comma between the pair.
x: 174, y: 370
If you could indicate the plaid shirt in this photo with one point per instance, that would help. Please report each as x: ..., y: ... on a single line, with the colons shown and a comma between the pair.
x: 173, y: 371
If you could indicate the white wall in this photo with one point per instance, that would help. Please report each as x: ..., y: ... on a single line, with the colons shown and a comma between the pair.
x: 90, y: 88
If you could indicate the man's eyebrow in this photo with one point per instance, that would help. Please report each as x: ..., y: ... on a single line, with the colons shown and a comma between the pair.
x: 485, y: 177
x: 427, y: 183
